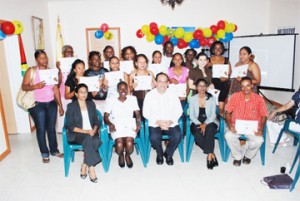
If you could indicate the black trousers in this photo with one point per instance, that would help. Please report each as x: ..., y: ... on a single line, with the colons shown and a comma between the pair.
x: 207, y: 141
x: 90, y: 146
x: 174, y: 134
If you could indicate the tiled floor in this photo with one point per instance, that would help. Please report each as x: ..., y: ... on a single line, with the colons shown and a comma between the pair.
x: 23, y: 176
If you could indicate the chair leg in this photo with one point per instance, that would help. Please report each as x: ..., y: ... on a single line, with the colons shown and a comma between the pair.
x: 189, y: 148
x: 67, y: 161
x: 136, y: 148
x: 295, y: 141
x: 295, y: 159
x: 227, y: 152
x: 296, y: 177
x: 181, y: 151
x: 263, y: 152
x: 139, y: 144
x: 73, y: 155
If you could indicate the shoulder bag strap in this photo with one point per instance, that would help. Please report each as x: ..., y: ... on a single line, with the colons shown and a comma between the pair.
x: 32, y: 75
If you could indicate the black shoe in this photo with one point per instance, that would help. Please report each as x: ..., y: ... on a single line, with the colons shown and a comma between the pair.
x: 237, y: 162
x: 121, y: 161
x: 95, y: 180
x: 169, y: 159
x: 210, y: 164
x: 246, y: 160
x: 159, y: 160
x: 129, y: 162
x: 215, y: 162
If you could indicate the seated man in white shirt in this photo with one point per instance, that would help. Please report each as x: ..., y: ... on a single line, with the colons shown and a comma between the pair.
x: 162, y: 108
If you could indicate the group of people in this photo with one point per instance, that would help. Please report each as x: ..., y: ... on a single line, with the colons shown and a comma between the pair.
x: 125, y: 106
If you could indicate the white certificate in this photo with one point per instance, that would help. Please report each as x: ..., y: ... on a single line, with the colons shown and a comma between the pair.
x: 126, y: 66
x: 124, y: 123
x: 50, y: 76
x: 106, y: 65
x: 91, y: 82
x: 157, y: 68
x: 114, y: 77
x: 143, y: 82
x: 220, y: 70
x: 178, y: 89
x: 246, y: 127
x: 66, y: 64
x: 166, y: 61
x: 215, y: 93
x: 239, y: 71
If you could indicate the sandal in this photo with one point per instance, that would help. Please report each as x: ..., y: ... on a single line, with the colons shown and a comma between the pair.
x: 46, y: 160
x: 59, y: 155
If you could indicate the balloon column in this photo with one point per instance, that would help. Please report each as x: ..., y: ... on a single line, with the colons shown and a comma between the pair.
x: 8, y: 28
x: 222, y: 31
x: 103, y: 31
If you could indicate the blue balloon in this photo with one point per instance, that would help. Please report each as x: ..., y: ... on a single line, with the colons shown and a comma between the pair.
x: 99, y: 34
x: 193, y: 43
x: 197, y: 44
x: 229, y: 35
x: 2, y: 35
x: 174, y: 41
x: 159, y: 39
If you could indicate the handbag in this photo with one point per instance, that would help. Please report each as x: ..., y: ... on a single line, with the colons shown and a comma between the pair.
x: 25, y: 99
x: 280, y: 181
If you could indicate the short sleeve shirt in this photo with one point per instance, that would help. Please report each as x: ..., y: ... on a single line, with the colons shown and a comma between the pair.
x: 89, y: 73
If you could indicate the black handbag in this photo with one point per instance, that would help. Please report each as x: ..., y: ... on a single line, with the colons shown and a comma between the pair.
x: 280, y: 181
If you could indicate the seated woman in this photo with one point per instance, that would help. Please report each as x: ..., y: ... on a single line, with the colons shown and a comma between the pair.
x: 83, y: 128
x: 122, y: 126
x: 203, y: 121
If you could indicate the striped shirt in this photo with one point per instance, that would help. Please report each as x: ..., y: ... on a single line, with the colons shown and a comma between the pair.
x: 252, y: 109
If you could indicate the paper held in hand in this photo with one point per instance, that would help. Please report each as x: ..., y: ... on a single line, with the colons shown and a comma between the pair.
x: 49, y: 76
x: 157, y: 68
x: 239, y: 71
x: 106, y: 65
x: 122, y: 124
x: 178, y: 89
x: 215, y: 93
x: 126, y: 66
x: 246, y: 127
x: 220, y: 70
x: 66, y: 64
x: 114, y: 77
x: 91, y: 82
x: 143, y: 82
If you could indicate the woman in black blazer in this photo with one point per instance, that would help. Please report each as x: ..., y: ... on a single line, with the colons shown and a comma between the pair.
x: 82, y: 125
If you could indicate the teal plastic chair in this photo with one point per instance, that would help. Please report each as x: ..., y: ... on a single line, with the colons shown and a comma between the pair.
x: 286, y: 129
x: 297, y: 157
x: 190, y: 138
x: 108, y: 144
x: 164, y: 137
x: 243, y: 137
x: 69, y: 149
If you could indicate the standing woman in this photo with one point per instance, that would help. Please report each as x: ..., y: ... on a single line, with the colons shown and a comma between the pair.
x: 83, y: 128
x: 73, y: 79
x: 247, y: 58
x: 140, y: 64
x: 121, y: 109
x: 128, y: 53
x: 190, y: 58
x: 203, y: 121
x: 168, y: 50
x: 44, y: 112
x: 217, y: 49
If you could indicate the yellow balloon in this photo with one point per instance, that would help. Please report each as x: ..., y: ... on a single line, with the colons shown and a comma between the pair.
x: 216, y: 37
x: 188, y: 37
x: 179, y: 32
x: 145, y: 29
x: 108, y: 35
x: 207, y: 32
x: 171, y: 32
x: 229, y: 27
x: 163, y: 30
x: 18, y: 27
x: 150, y: 38
x: 221, y: 33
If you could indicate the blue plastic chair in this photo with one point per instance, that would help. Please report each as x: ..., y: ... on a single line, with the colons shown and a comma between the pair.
x: 297, y: 157
x: 286, y: 129
x: 108, y: 144
x: 190, y: 138
x: 69, y: 149
x: 164, y: 137
x: 243, y: 137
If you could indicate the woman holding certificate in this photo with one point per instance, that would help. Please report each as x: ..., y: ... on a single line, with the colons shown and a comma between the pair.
x: 44, y: 113
x: 252, y: 70
x: 203, y: 121
x: 141, y: 80
x: 220, y: 81
x: 82, y: 123
x: 122, y: 126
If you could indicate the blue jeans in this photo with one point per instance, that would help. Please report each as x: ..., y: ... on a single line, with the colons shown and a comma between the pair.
x: 44, y: 117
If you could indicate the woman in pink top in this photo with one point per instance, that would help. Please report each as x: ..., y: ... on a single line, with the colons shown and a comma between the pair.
x: 44, y: 112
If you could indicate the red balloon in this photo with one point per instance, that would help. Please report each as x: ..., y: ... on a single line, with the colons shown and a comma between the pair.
x: 139, y: 34
x: 180, y: 43
x: 203, y: 42
x: 214, y: 29
x: 211, y: 40
x: 153, y: 24
x: 166, y: 38
x: 235, y: 28
x: 104, y: 27
x: 154, y: 30
x: 8, y: 28
x: 221, y: 24
x: 198, y: 34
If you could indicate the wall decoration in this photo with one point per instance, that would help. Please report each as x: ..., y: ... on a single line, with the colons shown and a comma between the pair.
x: 38, y: 33
x: 8, y: 28
x: 183, y: 37
x: 112, y: 37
